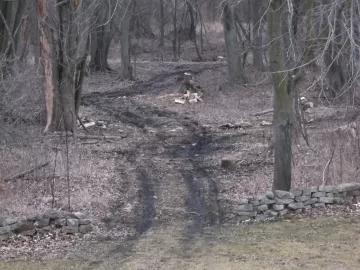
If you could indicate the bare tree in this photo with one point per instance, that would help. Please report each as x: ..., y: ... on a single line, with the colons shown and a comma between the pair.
x: 233, y: 46
x: 64, y: 39
x: 125, y: 14
x: 283, y: 107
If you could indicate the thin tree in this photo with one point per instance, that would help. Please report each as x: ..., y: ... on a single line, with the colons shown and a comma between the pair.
x: 283, y: 100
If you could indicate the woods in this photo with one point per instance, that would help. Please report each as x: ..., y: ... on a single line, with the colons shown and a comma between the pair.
x: 193, y: 113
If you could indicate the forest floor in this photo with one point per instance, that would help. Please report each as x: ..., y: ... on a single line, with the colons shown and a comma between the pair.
x: 159, y: 184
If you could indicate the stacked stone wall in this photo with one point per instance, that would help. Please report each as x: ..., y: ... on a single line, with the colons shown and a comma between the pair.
x: 67, y: 222
x: 279, y: 203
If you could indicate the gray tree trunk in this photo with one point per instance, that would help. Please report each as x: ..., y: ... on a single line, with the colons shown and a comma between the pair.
x: 233, y: 46
x: 283, y: 108
x: 126, y: 68
x: 256, y: 13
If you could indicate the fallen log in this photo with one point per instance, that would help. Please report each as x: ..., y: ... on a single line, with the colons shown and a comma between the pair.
x: 22, y: 174
x: 263, y: 112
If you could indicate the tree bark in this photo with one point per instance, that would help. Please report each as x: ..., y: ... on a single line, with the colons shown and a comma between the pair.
x: 126, y: 68
x: 283, y: 108
x: 63, y: 60
x: 233, y: 47
x: 256, y: 9
x: 162, y: 25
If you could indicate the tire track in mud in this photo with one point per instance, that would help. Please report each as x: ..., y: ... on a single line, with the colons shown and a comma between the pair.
x: 145, y: 219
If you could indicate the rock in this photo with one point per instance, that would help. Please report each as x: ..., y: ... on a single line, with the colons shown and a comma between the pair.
x: 348, y: 199
x: 245, y: 207
x: 283, y: 212
x: 298, y: 211
x: 5, y: 229
x: 348, y: 187
x: 259, y: 197
x: 326, y: 188
x: 16, y: 225
x: 319, y: 205
x: 79, y: 215
x: 4, y: 237
x: 228, y: 164
x: 247, y: 213
x: 295, y: 206
x: 329, y: 195
x: 262, y: 217
x: 86, y: 228
x: 338, y: 200
x: 262, y: 207
x: 28, y: 232
x: 70, y: 229
x: 271, y: 213
x: 244, y: 218
x: 311, y: 201
x: 281, y: 194
x: 42, y: 222
x: 25, y: 226
x: 55, y: 214
x: 278, y: 207
x: 72, y: 222
x: 326, y: 200
x: 60, y: 222
x: 255, y: 203
x: 309, y: 190
x: 7, y: 221
x: 267, y: 201
x: 243, y: 201
x: 283, y: 201
x: 84, y: 221
x: 302, y: 198
x: 297, y: 192
x: 270, y: 195
x: 318, y: 194
x: 353, y: 193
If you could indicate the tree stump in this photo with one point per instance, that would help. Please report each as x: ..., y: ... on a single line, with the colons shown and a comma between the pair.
x: 228, y: 163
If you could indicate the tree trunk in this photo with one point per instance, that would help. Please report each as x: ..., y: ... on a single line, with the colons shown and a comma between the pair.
x: 100, y: 44
x: 63, y: 60
x: 309, y: 50
x: 47, y: 52
x: 257, y: 51
x: 233, y: 47
x: 162, y: 25
x: 176, y: 34
x: 126, y: 68
x: 283, y: 100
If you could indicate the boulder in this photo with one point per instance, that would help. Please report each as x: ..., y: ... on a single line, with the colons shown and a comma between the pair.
x: 281, y: 194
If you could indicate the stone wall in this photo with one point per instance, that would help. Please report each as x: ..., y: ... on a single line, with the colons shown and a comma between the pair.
x: 279, y: 203
x: 68, y: 222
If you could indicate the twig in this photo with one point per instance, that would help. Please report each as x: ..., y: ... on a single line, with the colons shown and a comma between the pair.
x: 327, y: 165
x: 93, y: 137
x: 263, y: 112
x: 38, y: 167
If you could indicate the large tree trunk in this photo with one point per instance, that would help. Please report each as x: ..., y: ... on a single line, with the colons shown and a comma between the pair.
x: 256, y: 14
x: 47, y: 52
x: 126, y: 11
x: 162, y: 25
x: 101, y: 38
x: 176, y: 45
x: 233, y: 47
x: 283, y: 100
x: 63, y: 60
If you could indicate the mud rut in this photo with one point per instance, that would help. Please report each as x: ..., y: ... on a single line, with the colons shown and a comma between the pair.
x: 184, y: 153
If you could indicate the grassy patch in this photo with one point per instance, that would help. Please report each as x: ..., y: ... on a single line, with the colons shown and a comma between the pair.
x: 325, y: 243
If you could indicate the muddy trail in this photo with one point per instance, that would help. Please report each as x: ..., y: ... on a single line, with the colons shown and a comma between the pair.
x: 168, y: 156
